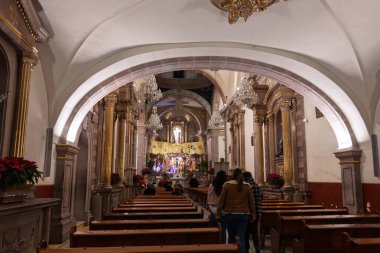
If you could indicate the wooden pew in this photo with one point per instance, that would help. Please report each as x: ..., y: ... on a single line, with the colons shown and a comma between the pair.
x: 290, y: 227
x: 283, y: 204
x: 292, y: 207
x: 269, y: 218
x: 275, y: 201
x: 202, y: 248
x: 153, y: 215
x: 165, y: 196
x: 360, y: 245
x: 144, y: 201
x: 147, y: 224
x: 155, y: 209
x: 144, y: 237
x: 199, y: 195
x: 155, y: 204
x: 329, y: 237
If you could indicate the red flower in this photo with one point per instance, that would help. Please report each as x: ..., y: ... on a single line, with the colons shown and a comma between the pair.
x: 16, y: 170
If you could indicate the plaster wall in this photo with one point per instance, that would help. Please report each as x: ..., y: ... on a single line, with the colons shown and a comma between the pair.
x: 37, y: 119
x: 249, y: 149
x: 320, y: 147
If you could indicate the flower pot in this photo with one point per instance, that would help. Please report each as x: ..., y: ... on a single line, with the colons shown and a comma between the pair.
x: 14, y: 193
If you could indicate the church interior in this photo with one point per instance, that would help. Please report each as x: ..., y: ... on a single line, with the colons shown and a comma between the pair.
x: 99, y: 99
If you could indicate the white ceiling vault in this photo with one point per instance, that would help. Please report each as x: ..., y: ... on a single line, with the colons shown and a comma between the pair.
x: 89, y: 38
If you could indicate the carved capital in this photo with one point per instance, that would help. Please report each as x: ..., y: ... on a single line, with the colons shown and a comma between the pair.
x: 286, y: 105
x: 110, y: 100
x: 260, y: 120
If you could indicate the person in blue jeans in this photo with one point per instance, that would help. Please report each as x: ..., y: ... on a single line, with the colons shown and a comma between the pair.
x: 213, y: 195
x: 238, y: 204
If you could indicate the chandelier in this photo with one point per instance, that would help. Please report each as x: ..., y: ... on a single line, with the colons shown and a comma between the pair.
x: 216, y: 120
x: 245, y: 95
x: 154, y: 122
x: 148, y: 90
x: 241, y: 8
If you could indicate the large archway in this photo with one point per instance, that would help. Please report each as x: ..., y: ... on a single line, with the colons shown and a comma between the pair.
x: 347, y: 133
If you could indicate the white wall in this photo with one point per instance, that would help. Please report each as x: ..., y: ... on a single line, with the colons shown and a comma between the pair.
x: 249, y: 150
x: 322, y: 165
x: 37, y: 119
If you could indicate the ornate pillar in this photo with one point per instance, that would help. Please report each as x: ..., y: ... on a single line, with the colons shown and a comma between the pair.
x: 352, y: 191
x: 294, y: 144
x: 62, y: 218
x: 110, y: 101
x: 286, y: 140
x: 271, y: 142
x: 241, y: 134
x: 259, y: 148
x: 141, y: 147
x: 21, y: 111
x: 121, y: 145
x: 266, y: 147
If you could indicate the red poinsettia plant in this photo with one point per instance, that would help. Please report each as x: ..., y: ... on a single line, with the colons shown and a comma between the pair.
x: 275, y: 179
x: 17, y: 170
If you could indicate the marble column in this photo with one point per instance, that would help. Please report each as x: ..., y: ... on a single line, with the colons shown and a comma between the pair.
x: 286, y: 140
x: 121, y: 145
x: 62, y: 218
x: 21, y: 110
x: 109, y: 104
x: 266, y: 147
x: 259, y: 149
x: 352, y: 188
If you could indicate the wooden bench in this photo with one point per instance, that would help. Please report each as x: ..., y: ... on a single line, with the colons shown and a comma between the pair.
x: 360, y: 245
x: 329, y: 237
x: 152, y: 216
x: 155, y: 204
x: 203, y: 248
x: 154, y: 209
x: 290, y: 227
x: 283, y: 204
x: 199, y: 195
x: 144, y: 237
x: 292, y: 207
x: 269, y: 218
x: 162, y: 196
x: 147, y: 224
x: 144, y: 201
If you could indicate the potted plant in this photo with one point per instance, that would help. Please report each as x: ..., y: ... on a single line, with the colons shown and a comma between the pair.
x: 275, y: 180
x: 17, y: 176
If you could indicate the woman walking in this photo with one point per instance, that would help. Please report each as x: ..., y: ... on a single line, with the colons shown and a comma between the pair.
x: 238, y: 204
x: 213, y: 195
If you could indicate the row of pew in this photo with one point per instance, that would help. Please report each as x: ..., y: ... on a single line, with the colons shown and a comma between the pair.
x: 313, y: 228
x: 149, y: 224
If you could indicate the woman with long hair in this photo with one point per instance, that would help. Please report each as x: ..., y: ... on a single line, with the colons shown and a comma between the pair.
x: 213, y: 195
x: 238, y: 204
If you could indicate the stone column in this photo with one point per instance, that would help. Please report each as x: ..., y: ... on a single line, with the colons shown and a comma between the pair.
x: 259, y: 149
x: 121, y: 145
x: 286, y: 140
x: 294, y: 144
x: 266, y: 147
x: 352, y: 191
x: 62, y: 218
x: 110, y: 101
x: 271, y: 138
x: 21, y: 110
x: 141, y: 147
x: 241, y: 139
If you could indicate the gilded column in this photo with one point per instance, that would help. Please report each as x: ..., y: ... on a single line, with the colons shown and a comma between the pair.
x: 287, y: 145
x: 110, y: 101
x: 260, y: 150
x: 129, y: 141
x: 241, y: 140
x: 121, y: 145
x: 18, y: 135
x: 271, y: 138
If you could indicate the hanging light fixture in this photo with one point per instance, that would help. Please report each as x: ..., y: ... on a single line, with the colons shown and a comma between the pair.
x: 216, y: 120
x: 245, y: 95
x: 154, y: 122
x: 148, y: 90
x: 241, y: 8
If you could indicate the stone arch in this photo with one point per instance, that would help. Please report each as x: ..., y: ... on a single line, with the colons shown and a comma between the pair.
x: 344, y: 117
x: 187, y: 111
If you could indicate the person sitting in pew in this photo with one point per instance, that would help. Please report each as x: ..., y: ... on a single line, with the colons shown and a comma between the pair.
x: 150, y: 190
